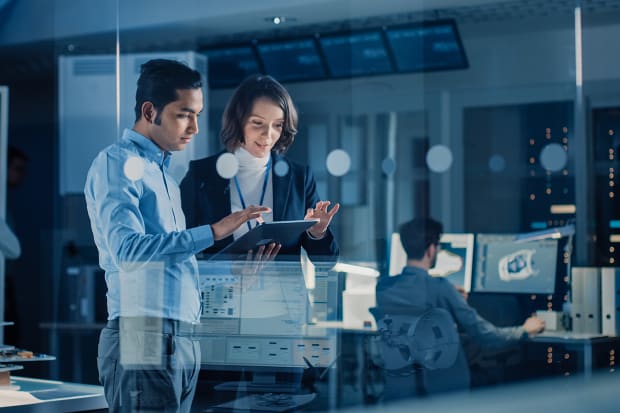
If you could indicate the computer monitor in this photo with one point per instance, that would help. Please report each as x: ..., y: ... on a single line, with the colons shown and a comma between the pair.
x: 356, y: 54
x: 292, y: 60
x: 228, y: 66
x: 504, y: 265
x: 427, y: 46
x: 454, y: 260
x: 262, y: 324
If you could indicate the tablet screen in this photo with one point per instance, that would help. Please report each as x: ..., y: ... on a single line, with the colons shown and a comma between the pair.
x: 286, y: 233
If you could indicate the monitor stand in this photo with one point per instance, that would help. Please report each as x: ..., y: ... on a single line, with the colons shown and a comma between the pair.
x: 261, y: 383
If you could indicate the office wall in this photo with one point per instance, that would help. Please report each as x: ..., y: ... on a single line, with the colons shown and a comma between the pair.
x: 511, y: 63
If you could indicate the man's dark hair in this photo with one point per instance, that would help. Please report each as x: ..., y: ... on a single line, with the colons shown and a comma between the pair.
x: 159, y: 81
x: 239, y: 109
x: 14, y: 152
x: 419, y: 234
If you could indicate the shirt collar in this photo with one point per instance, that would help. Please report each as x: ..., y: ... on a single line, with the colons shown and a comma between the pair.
x: 148, y: 148
x: 410, y: 270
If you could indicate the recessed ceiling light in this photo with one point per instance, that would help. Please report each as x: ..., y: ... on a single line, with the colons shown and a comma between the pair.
x: 280, y: 19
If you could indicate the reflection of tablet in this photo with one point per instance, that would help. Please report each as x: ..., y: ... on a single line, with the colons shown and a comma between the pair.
x: 286, y: 233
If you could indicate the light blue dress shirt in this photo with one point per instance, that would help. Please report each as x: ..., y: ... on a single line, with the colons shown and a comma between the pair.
x: 134, y: 207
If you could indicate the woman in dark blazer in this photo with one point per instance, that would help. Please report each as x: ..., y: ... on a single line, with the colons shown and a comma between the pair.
x: 258, y: 126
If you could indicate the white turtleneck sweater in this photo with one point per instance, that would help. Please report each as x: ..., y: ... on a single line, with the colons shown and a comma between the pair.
x: 251, y: 176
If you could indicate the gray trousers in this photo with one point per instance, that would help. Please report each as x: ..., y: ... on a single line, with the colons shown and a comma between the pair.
x: 148, y: 369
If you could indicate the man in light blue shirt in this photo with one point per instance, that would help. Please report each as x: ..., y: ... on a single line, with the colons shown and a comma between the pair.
x: 148, y: 359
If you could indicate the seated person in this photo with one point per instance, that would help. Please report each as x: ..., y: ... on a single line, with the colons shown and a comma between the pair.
x: 415, y: 290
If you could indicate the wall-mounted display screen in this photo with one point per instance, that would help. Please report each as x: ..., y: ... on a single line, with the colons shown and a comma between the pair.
x: 427, y: 46
x: 229, y: 66
x: 292, y: 60
x: 356, y: 54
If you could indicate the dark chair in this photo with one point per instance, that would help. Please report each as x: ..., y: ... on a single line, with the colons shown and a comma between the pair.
x: 419, y: 353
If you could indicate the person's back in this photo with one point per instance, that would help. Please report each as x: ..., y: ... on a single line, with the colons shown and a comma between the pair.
x: 415, y: 290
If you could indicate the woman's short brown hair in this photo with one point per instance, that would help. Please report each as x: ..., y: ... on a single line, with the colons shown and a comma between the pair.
x: 240, y: 105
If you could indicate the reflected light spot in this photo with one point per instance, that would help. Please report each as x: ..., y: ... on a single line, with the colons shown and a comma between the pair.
x: 338, y: 162
x: 280, y: 168
x: 388, y: 166
x: 497, y: 163
x: 553, y: 157
x: 439, y: 158
x: 134, y: 168
x: 227, y: 165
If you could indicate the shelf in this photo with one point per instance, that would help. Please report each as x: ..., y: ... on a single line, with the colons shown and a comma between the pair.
x: 4, y: 368
x: 13, y: 356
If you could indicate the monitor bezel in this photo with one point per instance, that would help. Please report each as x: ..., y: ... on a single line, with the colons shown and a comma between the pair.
x: 423, y: 24
x: 512, y: 237
x: 231, y: 46
x: 316, y: 47
x: 349, y: 34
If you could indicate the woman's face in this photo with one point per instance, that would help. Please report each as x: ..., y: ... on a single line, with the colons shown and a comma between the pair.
x: 263, y: 128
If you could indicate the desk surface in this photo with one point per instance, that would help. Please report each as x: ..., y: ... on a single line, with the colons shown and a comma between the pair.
x: 345, y: 327
x: 36, y: 395
x: 564, y: 336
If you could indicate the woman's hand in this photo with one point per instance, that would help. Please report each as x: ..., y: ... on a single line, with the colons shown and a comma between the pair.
x: 324, y: 215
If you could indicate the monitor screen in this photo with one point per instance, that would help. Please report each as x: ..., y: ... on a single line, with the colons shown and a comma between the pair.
x: 264, y: 322
x: 427, y: 46
x: 355, y: 54
x: 506, y: 266
x: 229, y: 66
x: 454, y: 259
x: 292, y: 60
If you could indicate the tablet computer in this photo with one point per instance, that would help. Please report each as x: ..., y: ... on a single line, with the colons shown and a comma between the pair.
x: 286, y: 233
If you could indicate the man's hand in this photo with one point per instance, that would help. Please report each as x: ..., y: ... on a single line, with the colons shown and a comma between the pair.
x: 533, y: 325
x: 324, y: 215
x: 227, y: 225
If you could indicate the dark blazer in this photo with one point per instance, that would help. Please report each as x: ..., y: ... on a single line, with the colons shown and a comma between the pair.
x: 206, y: 199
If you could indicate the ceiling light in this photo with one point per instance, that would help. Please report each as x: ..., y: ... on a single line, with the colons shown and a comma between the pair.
x: 277, y: 20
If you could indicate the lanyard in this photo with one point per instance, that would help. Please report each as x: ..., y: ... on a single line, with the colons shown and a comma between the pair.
x: 262, y: 195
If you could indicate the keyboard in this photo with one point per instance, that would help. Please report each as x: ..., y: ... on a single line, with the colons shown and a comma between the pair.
x: 54, y: 394
x: 568, y: 335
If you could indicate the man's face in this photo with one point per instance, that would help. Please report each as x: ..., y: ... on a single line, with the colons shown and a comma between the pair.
x: 177, y: 123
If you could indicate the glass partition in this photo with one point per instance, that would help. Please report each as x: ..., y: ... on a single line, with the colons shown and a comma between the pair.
x: 493, y: 117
